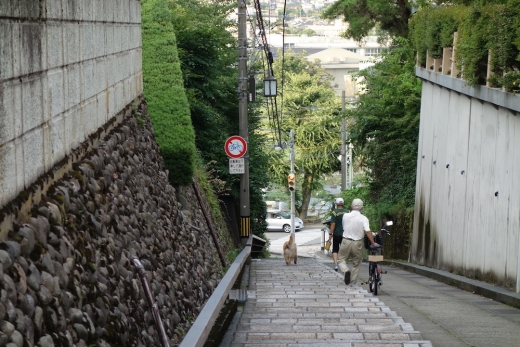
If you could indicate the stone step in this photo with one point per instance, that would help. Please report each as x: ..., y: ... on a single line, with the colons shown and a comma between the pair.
x: 364, y: 327
x: 308, y: 305
x: 284, y: 320
x: 321, y: 343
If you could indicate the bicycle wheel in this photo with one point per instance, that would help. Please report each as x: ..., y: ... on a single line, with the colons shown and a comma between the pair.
x: 370, y: 277
x: 373, y: 280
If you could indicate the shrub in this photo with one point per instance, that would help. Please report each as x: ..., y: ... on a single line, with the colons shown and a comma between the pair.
x: 164, y: 92
x: 482, y: 28
x: 511, y: 81
x: 431, y: 29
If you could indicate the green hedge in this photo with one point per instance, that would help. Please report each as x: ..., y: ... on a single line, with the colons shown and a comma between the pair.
x: 481, y: 28
x: 431, y: 29
x: 164, y: 92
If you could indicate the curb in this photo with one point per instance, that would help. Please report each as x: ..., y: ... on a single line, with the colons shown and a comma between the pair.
x: 493, y: 292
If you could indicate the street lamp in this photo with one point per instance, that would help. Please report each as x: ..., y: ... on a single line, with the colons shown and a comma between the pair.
x: 270, y: 87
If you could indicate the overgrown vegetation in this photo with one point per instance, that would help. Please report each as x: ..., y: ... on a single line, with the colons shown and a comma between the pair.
x: 385, y: 136
x: 208, y: 60
x: 210, y: 185
x: 389, y: 17
x: 164, y: 92
x: 432, y: 28
x: 312, y: 108
x: 483, y: 27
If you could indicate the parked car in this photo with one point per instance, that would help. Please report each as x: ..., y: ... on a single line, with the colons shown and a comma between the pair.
x: 281, y: 221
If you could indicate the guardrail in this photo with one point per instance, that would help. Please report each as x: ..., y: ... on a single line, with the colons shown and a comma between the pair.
x: 199, y: 331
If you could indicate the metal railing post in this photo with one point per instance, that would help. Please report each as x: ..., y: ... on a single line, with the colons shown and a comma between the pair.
x: 151, y: 302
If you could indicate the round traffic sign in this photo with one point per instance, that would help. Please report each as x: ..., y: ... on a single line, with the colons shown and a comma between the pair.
x: 235, y: 146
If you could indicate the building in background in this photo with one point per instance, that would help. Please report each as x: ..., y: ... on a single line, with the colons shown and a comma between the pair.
x: 339, y: 56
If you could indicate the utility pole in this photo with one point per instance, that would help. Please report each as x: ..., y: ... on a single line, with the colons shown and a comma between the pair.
x: 291, y: 144
x: 243, y: 128
x: 351, y: 166
x: 343, y: 146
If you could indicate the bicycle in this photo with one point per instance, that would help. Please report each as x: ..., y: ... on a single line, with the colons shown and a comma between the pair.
x: 375, y: 256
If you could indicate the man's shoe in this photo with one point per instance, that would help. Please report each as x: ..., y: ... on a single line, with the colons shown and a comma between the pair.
x: 347, y: 278
x: 335, y: 267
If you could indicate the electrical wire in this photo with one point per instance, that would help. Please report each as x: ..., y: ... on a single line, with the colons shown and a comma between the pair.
x: 273, y: 106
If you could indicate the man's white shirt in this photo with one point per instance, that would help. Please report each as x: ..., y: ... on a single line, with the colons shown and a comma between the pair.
x: 355, y: 225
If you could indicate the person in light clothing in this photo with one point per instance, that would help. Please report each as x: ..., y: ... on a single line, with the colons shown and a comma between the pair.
x: 355, y: 226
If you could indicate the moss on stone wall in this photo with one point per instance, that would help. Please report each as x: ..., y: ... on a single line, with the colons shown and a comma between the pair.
x: 164, y: 92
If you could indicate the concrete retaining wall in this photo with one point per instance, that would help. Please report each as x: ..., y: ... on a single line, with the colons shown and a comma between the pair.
x: 66, y: 68
x: 467, y: 208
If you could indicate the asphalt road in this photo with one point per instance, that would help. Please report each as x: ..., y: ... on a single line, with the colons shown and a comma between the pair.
x: 445, y: 315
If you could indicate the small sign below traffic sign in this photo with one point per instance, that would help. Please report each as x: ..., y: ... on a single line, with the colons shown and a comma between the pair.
x: 235, y: 146
x: 236, y: 166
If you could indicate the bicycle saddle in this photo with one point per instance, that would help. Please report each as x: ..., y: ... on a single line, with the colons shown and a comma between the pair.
x: 375, y: 246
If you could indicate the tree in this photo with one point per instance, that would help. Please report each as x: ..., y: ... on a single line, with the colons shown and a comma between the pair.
x: 364, y: 15
x: 207, y: 51
x: 208, y: 56
x: 311, y: 108
x: 386, y: 132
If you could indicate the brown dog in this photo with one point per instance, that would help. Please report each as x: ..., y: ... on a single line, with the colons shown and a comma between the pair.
x: 289, y: 251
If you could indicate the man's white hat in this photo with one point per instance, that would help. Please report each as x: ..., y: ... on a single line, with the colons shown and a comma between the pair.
x: 339, y: 201
x: 357, y: 203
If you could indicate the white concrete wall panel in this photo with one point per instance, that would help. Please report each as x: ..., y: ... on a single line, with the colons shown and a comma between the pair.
x: 56, y: 92
x: 449, y: 166
x: 53, y: 9
x: 459, y: 132
x: 442, y: 232
x: 513, y: 224
x: 8, y: 160
x: 33, y: 155
x: 65, y: 70
x: 16, y: 47
x: 437, y: 177
x: 71, y: 43
x: 55, y: 44
x: 7, y: 129
x: 502, y: 196
x: 6, y: 60
x: 31, y: 58
x: 487, y: 182
x: 422, y: 210
x: 467, y: 216
x: 472, y: 207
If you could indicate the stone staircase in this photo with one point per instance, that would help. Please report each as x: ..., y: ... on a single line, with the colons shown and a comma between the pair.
x: 309, y: 305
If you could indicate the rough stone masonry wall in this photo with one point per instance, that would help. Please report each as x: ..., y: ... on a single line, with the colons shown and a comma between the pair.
x: 66, y: 68
x: 66, y: 277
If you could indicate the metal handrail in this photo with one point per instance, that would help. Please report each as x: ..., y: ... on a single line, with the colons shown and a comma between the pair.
x: 199, y: 331
x: 151, y: 302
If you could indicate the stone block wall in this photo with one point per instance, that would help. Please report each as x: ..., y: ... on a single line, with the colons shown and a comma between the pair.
x: 65, y: 273
x: 66, y: 68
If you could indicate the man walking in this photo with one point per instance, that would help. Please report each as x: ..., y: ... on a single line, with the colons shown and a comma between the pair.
x: 336, y: 229
x: 355, y: 226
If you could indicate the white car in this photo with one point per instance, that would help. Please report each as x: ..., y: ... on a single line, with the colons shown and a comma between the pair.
x: 281, y: 221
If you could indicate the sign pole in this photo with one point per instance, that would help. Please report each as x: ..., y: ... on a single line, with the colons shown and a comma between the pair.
x: 343, y: 146
x: 245, y: 212
x: 293, y: 195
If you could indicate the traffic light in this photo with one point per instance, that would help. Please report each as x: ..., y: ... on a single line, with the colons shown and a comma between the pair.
x: 292, y: 181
